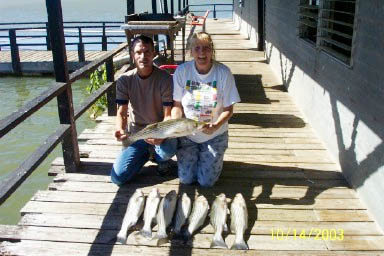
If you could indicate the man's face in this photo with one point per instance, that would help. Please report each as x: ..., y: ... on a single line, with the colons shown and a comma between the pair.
x: 143, y: 55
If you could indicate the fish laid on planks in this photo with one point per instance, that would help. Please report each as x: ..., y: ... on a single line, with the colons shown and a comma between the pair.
x: 134, y: 210
x: 171, y: 128
x: 186, y: 222
x: 150, y: 212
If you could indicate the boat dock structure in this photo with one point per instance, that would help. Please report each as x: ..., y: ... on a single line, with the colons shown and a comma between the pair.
x: 298, y: 199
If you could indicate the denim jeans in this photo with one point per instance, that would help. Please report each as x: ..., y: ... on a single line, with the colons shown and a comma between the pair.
x: 131, y: 159
x: 201, y: 162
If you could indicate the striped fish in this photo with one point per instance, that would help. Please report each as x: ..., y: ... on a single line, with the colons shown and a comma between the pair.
x: 197, y: 217
x: 150, y: 211
x: 164, y: 216
x: 182, y: 212
x: 239, y: 221
x: 134, y: 210
x: 171, y: 128
x: 218, y: 220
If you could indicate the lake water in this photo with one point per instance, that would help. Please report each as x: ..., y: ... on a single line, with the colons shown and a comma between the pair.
x: 15, y: 92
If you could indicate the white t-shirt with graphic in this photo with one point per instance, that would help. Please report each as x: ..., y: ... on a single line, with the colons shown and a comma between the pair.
x: 205, y: 96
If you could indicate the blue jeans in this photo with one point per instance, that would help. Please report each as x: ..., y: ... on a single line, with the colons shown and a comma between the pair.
x: 201, y: 162
x: 131, y: 159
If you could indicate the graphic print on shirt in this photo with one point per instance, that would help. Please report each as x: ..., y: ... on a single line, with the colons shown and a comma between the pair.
x: 203, y: 100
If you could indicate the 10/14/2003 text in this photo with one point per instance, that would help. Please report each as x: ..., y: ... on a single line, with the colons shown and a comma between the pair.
x: 314, y: 233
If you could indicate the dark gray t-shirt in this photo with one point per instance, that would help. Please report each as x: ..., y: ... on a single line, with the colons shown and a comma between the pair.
x: 145, y: 97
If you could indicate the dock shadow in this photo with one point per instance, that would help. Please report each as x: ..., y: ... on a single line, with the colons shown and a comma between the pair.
x: 268, y: 120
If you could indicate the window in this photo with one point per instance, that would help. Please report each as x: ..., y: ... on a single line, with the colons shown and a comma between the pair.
x: 330, y: 25
x: 309, y: 12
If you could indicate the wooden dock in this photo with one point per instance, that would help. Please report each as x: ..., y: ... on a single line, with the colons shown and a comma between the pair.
x: 298, y: 200
x: 33, y: 62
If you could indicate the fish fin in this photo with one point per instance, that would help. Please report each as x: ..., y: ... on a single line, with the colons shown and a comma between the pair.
x: 146, y: 233
x: 241, y: 245
x: 121, y: 238
x: 218, y: 242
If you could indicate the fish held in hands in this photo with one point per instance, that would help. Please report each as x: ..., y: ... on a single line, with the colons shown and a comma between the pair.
x: 239, y: 221
x: 134, y: 210
x: 150, y: 212
x: 218, y: 220
x: 172, y: 128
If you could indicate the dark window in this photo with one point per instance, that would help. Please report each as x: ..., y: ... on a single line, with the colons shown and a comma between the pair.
x: 308, y: 19
x: 336, y: 28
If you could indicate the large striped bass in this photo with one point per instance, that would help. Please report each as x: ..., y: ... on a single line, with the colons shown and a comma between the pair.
x: 172, y: 128
x: 196, y: 219
x: 184, y: 206
x: 164, y: 216
x: 218, y: 220
x: 134, y: 210
x: 150, y: 212
x: 239, y: 221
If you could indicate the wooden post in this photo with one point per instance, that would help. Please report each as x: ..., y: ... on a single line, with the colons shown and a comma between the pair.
x: 166, y: 6
x: 64, y: 100
x: 214, y: 12
x: 111, y: 93
x: 130, y: 7
x: 104, y: 44
x: 80, y: 48
x: 179, y: 5
x: 14, y: 52
x: 183, y: 4
x: 155, y: 37
x: 47, y: 38
x: 172, y: 7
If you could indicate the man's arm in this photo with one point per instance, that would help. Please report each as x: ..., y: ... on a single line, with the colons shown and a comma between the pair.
x: 177, y: 110
x: 121, y: 122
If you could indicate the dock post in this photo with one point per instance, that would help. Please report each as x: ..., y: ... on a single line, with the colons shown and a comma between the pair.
x: 155, y: 37
x: 70, y: 144
x: 47, y: 38
x: 172, y: 7
x: 130, y: 7
x: 14, y: 52
x: 111, y: 93
x: 214, y: 12
x: 179, y: 5
x: 80, y: 48
x: 104, y: 45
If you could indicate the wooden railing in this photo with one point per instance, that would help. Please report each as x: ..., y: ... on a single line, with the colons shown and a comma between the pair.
x: 95, y: 30
x: 214, y: 11
x: 66, y: 133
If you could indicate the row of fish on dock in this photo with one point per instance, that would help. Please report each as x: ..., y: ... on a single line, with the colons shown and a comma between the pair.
x: 186, y: 218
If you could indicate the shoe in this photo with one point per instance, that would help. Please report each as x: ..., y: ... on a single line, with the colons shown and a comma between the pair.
x: 167, y: 168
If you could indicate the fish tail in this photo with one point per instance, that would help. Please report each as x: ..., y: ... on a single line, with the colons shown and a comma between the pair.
x: 128, y: 141
x: 218, y: 242
x: 161, y: 238
x: 239, y: 245
x: 147, y: 233
x: 121, y: 237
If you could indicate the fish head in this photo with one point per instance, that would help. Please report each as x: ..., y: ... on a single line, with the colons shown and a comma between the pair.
x: 222, y: 197
x: 154, y: 192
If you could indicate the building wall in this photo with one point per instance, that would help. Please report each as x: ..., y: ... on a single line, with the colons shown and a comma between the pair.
x: 343, y: 104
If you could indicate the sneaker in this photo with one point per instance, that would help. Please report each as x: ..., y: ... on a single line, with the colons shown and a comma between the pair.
x: 167, y: 168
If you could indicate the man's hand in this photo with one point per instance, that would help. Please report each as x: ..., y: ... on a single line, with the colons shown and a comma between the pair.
x: 154, y: 141
x: 120, y: 135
